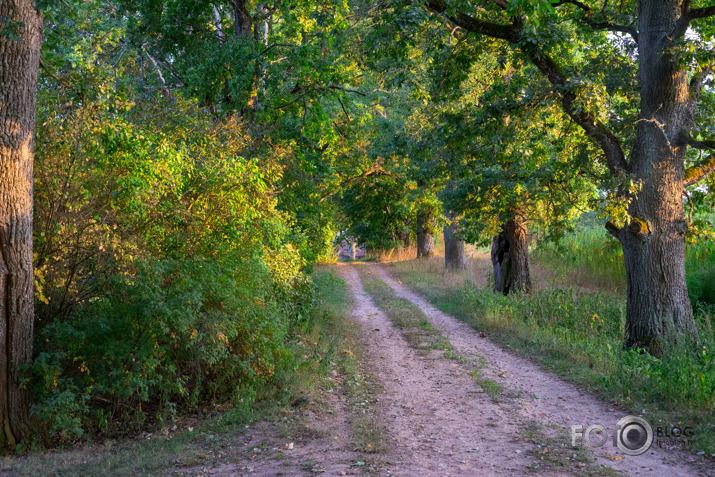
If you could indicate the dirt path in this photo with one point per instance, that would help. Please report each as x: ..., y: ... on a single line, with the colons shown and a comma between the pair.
x: 545, y: 398
x: 435, y: 418
x: 441, y: 423
x: 315, y: 441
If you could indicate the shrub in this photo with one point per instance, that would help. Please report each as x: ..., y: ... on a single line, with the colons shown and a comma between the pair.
x: 166, y: 276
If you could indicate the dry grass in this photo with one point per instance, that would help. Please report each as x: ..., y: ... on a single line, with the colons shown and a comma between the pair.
x: 479, y: 272
x: 478, y: 269
x: 543, y: 275
x: 400, y: 254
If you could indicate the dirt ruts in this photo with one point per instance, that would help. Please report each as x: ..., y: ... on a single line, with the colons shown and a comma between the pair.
x: 545, y: 398
x: 439, y: 421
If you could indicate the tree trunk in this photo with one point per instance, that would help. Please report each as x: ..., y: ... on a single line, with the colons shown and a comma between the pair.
x: 18, y: 94
x: 510, y: 257
x: 658, y: 308
x: 405, y: 236
x: 454, y: 256
x: 425, y: 239
x: 244, y: 27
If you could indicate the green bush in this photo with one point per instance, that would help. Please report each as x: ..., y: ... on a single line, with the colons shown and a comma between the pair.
x: 177, y: 335
x: 166, y: 276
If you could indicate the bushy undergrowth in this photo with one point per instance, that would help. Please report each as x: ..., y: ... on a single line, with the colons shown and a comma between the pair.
x: 166, y: 276
x: 581, y: 336
x: 178, y: 335
x: 318, y: 343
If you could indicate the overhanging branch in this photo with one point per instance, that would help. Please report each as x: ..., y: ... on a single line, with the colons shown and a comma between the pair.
x: 702, y: 12
x: 509, y: 33
x: 706, y: 144
x: 605, y: 25
x: 615, y: 158
x: 687, y: 16
x: 598, y: 131
x: 376, y: 170
x: 695, y: 174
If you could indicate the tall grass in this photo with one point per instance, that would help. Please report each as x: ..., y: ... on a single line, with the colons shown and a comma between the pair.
x: 591, y: 256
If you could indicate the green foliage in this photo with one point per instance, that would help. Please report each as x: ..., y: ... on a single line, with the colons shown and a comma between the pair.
x: 591, y: 250
x: 177, y: 335
x: 166, y: 275
x: 588, y: 248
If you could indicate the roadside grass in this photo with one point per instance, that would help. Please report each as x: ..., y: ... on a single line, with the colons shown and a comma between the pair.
x: 214, y: 437
x: 579, y: 336
x: 369, y: 436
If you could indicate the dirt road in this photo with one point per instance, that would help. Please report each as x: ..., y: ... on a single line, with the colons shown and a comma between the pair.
x: 438, y: 421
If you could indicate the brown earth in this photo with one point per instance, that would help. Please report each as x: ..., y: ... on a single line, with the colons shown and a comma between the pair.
x: 439, y: 422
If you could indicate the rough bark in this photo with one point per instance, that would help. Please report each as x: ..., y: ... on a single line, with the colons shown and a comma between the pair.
x: 19, y: 63
x: 510, y: 257
x: 243, y: 23
x: 454, y: 256
x: 658, y: 307
x: 405, y: 238
x: 425, y: 239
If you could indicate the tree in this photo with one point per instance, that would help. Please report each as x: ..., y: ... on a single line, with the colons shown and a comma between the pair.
x: 510, y: 256
x: 511, y: 170
x: 289, y: 69
x: 20, y: 41
x: 649, y: 38
x: 425, y: 233
x: 454, y: 257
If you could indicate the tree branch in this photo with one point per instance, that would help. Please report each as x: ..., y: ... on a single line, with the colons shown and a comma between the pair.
x: 613, y: 27
x: 376, y: 170
x: 695, y: 87
x: 509, y: 33
x: 615, y: 158
x: 347, y: 90
x: 267, y: 49
x: 612, y: 229
x: 695, y: 174
x: 707, y: 144
x: 702, y: 12
x: 688, y: 15
x: 630, y: 30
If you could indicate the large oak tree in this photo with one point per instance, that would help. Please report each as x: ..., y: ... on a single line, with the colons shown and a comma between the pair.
x: 650, y: 152
x: 20, y: 41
